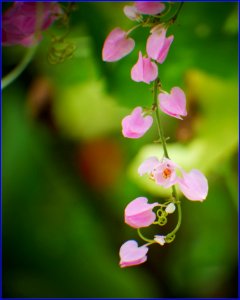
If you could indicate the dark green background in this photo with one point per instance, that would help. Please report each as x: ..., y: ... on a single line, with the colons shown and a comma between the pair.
x: 68, y: 173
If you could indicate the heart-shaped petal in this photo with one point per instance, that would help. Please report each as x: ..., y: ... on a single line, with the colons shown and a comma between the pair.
x: 194, y: 185
x: 138, y: 213
x: 131, y: 254
x: 173, y: 104
x: 117, y: 45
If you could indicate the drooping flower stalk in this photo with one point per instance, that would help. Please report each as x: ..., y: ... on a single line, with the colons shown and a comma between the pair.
x: 166, y: 173
x: 10, y: 77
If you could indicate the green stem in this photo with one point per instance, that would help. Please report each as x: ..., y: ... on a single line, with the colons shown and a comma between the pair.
x: 10, y: 77
x: 160, y: 128
x: 163, y: 140
x: 177, y: 13
x: 133, y: 28
x: 144, y: 238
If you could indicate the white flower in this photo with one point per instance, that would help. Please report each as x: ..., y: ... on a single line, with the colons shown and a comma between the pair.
x: 170, y: 208
x: 159, y: 239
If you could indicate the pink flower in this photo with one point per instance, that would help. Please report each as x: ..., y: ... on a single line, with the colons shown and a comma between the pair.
x: 131, y: 12
x: 193, y: 185
x: 162, y: 172
x: 158, y: 45
x: 149, y: 8
x: 135, y: 125
x: 144, y: 70
x: 21, y: 21
x: 117, y: 45
x: 173, y: 104
x: 131, y: 254
x: 139, y: 213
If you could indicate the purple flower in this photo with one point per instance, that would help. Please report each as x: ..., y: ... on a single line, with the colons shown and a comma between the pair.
x: 23, y: 22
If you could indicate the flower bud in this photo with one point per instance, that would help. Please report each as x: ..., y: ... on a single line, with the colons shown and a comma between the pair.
x: 170, y: 208
x: 159, y: 239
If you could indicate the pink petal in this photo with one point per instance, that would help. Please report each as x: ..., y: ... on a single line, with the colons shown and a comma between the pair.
x: 149, y: 8
x: 173, y: 104
x: 131, y: 12
x: 158, y: 173
x: 155, y: 43
x: 158, y: 45
x: 194, y: 185
x: 31, y: 40
x: 148, y: 165
x: 144, y: 70
x: 19, y: 22
x: 131, y: 254
x: 135, y: 125
x: 138, y: 213
x: 164, y: 52
x: 117, y: 45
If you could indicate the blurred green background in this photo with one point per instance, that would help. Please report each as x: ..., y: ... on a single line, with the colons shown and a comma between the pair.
x: 68, y: 173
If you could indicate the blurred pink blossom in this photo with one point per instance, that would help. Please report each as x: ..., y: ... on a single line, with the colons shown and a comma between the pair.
x: 135, y: 125
x: 149, y: 8
x: 138, y: 213
x: 144, y: 70
x: 21, y: 21
x: 131, y: 12
x: 117, y: 45
x: 158, y: 44
x: 131, y: 254
x: 173, y: 104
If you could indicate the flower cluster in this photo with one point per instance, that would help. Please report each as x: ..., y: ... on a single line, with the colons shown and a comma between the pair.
x: 164, y: 172
x: 23, y: 22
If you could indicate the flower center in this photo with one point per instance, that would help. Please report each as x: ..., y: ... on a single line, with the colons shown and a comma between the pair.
x: 166, y: 173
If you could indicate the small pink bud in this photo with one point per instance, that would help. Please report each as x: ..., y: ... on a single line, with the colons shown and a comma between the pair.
x: 135, y: 125
x: 117, y: 45
x: 131, y: 254
x: 144, y: 70
x: 158, y: 45
x: 194, y: 185
x: 139, y: 213
x: 131, y: 12
x: 149, y: 8
x: 173, y: 104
